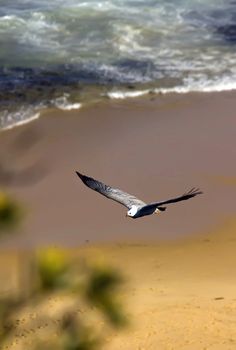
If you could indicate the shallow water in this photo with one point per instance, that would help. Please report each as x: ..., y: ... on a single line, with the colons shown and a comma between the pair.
x: 62, y: 53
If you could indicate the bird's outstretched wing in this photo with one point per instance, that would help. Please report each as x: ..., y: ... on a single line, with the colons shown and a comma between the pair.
x: 116, y: 194
x: 190, y: 194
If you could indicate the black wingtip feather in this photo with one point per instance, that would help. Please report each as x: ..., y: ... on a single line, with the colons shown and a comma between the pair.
x: 86, y: 180
x: 194, y: 191
x: 80, y: 175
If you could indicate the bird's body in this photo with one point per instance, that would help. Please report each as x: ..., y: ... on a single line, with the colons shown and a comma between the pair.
x: 137, y: 208
x: 144, y: 211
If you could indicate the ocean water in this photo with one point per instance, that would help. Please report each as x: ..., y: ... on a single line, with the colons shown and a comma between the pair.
x: 65, y: 53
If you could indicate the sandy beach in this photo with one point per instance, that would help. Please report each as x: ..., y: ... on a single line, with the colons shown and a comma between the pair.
x: 140, y: 95
x: 155, y: 147
x: 179, y: 266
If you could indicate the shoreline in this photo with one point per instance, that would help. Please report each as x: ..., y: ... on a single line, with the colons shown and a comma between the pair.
x: 119, y: 96
x: 155, y: 147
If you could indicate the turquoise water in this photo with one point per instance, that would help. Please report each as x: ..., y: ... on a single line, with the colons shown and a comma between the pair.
x: 62, y: 53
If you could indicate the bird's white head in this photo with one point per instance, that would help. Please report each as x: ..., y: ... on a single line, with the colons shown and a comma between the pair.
x: 133, y: 210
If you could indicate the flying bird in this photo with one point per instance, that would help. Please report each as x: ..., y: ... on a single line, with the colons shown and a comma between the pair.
x: 137, y: 208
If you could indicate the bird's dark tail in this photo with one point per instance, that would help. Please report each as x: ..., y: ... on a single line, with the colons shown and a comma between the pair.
x: 161, y: 208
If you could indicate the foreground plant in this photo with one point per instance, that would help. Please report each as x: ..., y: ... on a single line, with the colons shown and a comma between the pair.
x: 10, y: 212
x: 87, y: 294
x: 84, y: 294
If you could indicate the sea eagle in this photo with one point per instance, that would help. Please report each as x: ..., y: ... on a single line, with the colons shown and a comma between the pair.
x: 137, y: 208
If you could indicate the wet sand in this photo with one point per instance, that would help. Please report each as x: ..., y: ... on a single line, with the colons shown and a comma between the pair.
x: 155, y: 147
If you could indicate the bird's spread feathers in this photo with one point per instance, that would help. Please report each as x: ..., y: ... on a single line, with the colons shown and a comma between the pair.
x: 192, y: 193
x: 137, y: 208
x: 116, y: 194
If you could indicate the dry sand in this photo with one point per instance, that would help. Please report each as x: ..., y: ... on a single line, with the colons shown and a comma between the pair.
x: 155, y: 148
x: 178, y: 295
x: 182, y: 295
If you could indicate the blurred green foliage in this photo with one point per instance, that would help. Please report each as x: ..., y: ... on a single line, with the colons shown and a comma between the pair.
x: 53, y: 267
x: 10, y: 212
x: 51, y: 273
x: 77, y: 338
x: 101, y: 291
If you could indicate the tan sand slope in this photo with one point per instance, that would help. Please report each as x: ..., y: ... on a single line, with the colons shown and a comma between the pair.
x: 179, y: 295
x: 183, y: 295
